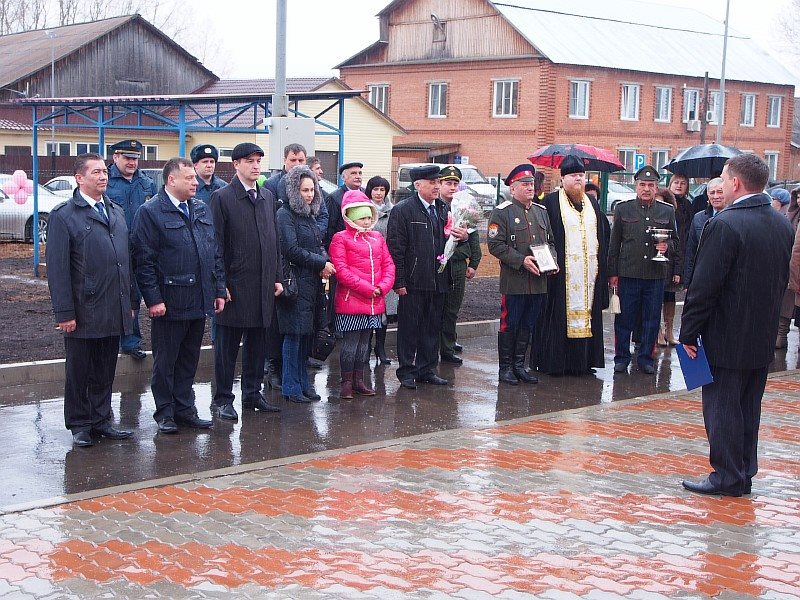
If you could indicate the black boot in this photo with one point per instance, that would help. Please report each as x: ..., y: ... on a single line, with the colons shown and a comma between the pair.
x: 505, y: 353
x: 520, y: 350
x: 273, y: 373
x: 380, y: 346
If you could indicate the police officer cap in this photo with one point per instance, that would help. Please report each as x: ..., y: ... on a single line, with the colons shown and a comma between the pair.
x: 127, y: 148
x: 350, y: 165
x: 646, y: 173
x: 204, y: 151
x: 245, y: 149
x: 521, y: 173
x: 450, y: 172
x: 571, y: 164
x: 430, y: 172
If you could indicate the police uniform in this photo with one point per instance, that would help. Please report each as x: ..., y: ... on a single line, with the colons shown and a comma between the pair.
x: 130, y: 195
x: 466, y: 254
x: 641, y: 280
x: 512, y: 230
x: 204, y: 189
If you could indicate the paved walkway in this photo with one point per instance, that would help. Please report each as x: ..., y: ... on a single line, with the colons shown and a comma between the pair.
x: 580, y: 504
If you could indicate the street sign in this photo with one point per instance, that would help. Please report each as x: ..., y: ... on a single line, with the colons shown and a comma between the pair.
x: 638, y: 161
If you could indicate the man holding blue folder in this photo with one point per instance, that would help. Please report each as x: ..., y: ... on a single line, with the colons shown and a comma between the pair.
x: 732, y: 304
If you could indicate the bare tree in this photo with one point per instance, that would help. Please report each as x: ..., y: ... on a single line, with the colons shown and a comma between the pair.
x: 788, y: 28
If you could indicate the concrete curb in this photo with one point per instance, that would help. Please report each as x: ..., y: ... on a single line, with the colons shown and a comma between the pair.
x: 47, y: 371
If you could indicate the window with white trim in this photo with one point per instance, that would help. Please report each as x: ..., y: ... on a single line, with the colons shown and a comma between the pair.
x: 691, y: 105
x: 629, y: 102
x: 437, y: 100
x: 774, y: 111
x: 57, y: 148
x: 149, y: 153
x: 83, y: 148
x: 771, y: 158
x: 578, y: 99
x: 379, y: 97
x: 506, y: 92
x: 747, y: 117
x: 713, y: 107
x: 663, y: 112
x: 660, y: 159
x: 626, y: 157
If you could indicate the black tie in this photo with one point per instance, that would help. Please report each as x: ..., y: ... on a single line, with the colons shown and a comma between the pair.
x: 185, y: 208
x: 434, y: 218
x: 252, y: 194
x: 102, y: 210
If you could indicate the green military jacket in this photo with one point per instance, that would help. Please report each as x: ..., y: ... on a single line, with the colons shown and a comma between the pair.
x: 631, y: 247
x: 511, y: 232
x: 468, y: 250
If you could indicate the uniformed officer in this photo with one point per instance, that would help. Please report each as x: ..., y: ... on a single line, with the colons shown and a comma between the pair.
x: 205, y: 157
x: 515, y: 228
x: 463, y: 264
x: 639, y: 280
x: 130, y: 188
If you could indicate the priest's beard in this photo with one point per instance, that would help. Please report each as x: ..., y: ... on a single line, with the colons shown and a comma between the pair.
x: 575, y: 195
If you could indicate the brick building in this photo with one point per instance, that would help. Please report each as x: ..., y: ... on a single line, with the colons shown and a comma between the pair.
x: 494, y: 81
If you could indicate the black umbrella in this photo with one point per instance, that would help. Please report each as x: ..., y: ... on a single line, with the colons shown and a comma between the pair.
x: 594, y: 159
x: 703, y: 160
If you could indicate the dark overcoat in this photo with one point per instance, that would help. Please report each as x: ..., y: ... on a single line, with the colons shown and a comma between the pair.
x: 248, y: 239
x: 552, y: 335
x: 88, y: 268
x: 740, y: 275
x: 176, y: 260
x: 301, y: 244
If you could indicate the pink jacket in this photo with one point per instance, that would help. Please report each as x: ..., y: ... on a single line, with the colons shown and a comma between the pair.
x: 362, y: 262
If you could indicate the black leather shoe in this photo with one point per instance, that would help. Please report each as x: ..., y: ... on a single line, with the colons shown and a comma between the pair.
x: 82, y: 439
x: 452, y: 358
x: 408, y: 383
x: 457, y: 347
x: 297, y: 399
x: 507, y: 376
x: 227, y: 412
x: 136, y: 353
x: 708, y: 488
x: 620, y: 367
x: 261, y: 404
x: 194, y: 422
x: 525, y: 376
x: 312, y: 395
x: 433, y: 379
x: 113, y: 434
x: 167, y: 426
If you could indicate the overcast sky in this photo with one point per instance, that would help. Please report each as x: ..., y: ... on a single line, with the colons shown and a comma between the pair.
x: 323, y: 33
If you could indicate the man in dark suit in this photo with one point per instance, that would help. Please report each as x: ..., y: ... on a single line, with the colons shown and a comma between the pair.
x: 732, y: 306
x: 244, y: 221
x: 179, y: 273
x: 88, y: 272
x: 351, y: 180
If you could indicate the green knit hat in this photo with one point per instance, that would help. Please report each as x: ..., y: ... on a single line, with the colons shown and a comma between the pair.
x: 358, y: 212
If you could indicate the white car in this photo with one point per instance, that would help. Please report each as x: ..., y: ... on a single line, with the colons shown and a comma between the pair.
x: 16, y: 220
x: 616, y: 192
x: 474, y: 181
x: 63, y: 185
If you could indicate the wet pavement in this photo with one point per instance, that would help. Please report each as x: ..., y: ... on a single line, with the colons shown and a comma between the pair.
x: 576, y: 504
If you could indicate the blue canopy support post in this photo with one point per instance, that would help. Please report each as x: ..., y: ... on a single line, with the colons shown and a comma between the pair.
x: 35, y: 178
x: 182, y: 130
x: 340, y: 132
x: 101, y: 131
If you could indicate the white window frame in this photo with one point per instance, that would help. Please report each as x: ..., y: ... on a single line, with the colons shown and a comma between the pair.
x: 691, y: 102
x: 623, y: 154
x: 772, y: 159
x: 58, y: 147
x: 774, y: 107
x: 659, y: 164
x: 713, y: 104
x: 225, y: 154
x: 379, y: 96
x: 579, y: 97
x: 629, y: 99
x: 89, y: 147
x: 149, y: 152
x: 744, y: 121
x: 507, y: 91
x: 437, y: 101
x: 661, y: 103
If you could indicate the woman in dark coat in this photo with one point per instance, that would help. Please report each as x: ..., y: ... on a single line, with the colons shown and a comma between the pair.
x: 301, y: 246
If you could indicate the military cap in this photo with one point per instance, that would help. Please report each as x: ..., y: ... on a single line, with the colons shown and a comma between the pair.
x: 350, y: 165
x: 521, y: 173
x: 450, y: 172
x: 128, y: 148
x: 571, y: 164
x: 245, y: 149
x: 646, y: 173
x: 430, y: 172
x: 204, y: 151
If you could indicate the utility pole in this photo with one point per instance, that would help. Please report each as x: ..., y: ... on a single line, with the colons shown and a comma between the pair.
x: 721, y: 119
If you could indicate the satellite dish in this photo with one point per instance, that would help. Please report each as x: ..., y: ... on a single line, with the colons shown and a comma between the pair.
x: 437, y: 22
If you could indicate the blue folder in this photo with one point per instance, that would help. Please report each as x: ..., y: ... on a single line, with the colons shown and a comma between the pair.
x: 696, y: 371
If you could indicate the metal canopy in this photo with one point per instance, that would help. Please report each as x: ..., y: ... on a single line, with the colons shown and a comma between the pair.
x: 181, y: 114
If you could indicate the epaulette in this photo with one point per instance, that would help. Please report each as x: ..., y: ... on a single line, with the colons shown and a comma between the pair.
x: 623, y: 201
x: 665, y: 203
x: 542, y: 206
x: 503, y: 205
x: 59, y: 206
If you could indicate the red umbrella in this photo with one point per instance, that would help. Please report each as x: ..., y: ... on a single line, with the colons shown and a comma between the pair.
x: 594, y: 159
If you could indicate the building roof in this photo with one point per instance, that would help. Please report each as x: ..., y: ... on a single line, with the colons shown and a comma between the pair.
x: 263, y: 86
x: 27, y: 52
x: 638, y: 36
x: 11, y: 125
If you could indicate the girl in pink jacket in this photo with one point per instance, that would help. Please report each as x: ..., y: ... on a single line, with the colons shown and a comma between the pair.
x: 364, y: 274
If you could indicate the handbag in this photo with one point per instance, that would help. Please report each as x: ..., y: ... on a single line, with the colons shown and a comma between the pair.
x: 614, y: 303
x: 289, y: 281
x: 323, y: 341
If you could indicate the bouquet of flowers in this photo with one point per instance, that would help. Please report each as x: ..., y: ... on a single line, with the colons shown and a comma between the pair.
x: 464, y: 212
